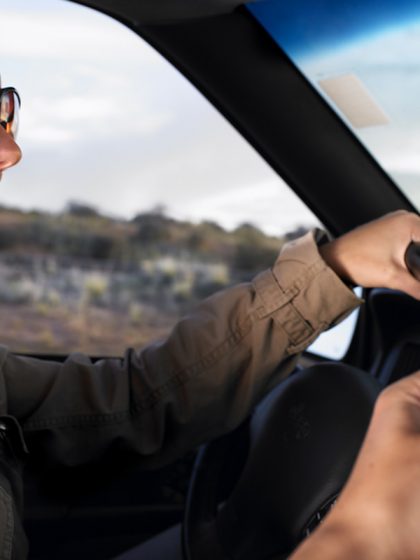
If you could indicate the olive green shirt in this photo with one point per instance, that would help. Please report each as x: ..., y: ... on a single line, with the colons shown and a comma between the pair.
x: 202, y: 381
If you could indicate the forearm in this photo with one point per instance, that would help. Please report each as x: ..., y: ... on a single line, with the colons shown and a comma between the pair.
x: 373, y: 255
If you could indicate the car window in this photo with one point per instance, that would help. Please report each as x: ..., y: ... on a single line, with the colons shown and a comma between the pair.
x: 135, y: 198
x: 363, y: 57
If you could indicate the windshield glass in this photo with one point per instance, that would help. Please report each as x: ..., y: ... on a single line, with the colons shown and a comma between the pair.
x: 364, y: 58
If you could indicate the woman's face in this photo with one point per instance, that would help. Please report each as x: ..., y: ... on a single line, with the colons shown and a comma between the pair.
x: 10, y: 152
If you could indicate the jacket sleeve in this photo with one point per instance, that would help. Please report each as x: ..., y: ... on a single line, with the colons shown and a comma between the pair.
x: 200, y: 382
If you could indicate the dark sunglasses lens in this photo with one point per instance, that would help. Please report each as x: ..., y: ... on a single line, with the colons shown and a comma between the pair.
x: 9, y: 111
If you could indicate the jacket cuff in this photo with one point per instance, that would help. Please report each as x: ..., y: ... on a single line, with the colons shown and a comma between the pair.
x: 302, y: 294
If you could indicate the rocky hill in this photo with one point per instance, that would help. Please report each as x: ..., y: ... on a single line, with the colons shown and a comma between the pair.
x: 79, y: 280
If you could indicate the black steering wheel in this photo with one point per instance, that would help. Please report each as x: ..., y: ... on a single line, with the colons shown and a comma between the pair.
x: 286, y: 466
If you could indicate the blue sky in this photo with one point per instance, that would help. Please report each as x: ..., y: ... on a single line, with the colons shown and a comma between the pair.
x: 305, y: 27
x: 378, y: 41
x: 107, y: 121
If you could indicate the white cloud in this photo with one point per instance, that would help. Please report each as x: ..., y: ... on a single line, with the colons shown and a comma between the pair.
x: 107, y: 121
x: 74, y: 32
x: 48, y: 135
x: 73, y: 119
x: 275, y: 208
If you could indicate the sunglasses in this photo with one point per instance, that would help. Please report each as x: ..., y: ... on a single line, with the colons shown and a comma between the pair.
x: 9, y: 110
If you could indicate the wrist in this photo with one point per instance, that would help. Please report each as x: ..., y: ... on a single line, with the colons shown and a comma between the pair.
x: 334, y: 256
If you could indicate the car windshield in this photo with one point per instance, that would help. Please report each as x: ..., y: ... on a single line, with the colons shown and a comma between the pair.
x: 364, y: 58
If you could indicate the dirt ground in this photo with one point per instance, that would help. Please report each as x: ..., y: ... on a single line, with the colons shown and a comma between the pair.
x: 33, y: 328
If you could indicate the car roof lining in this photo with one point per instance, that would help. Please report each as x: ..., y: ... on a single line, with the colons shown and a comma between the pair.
x: 147, y: 12
x: 233, y: 61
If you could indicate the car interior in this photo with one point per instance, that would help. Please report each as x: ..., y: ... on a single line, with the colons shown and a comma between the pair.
x: 281, y: 488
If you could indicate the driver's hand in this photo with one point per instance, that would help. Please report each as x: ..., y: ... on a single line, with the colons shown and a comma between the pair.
x: 373, y: 254
x: 377, y: 516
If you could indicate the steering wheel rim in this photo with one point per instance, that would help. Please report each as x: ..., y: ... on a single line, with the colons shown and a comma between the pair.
x: 313, y: 409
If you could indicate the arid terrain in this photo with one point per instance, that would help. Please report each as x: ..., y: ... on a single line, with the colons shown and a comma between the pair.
x: 81, y: 281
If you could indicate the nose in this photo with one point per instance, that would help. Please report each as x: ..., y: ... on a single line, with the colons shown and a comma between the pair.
x: 10, y: 152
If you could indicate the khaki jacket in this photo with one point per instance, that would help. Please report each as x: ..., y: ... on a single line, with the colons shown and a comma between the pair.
x: 200, y: 382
